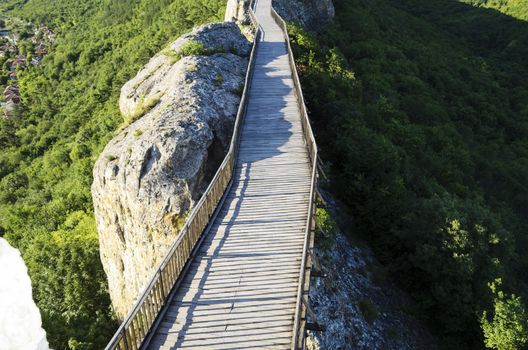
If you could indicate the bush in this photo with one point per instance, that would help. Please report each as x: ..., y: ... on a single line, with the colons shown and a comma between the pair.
x: 190, y: 48
x: 368, y: 310
x: 508, y: 329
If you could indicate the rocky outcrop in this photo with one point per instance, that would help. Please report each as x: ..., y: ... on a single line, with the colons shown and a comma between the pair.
x: 313, y: 15
x: 236, y: 11
x: 181, y: 108
x: 358, y: 302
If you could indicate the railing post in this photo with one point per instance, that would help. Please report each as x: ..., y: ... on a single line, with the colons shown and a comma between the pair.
x: 162, y: 286
x: 124, y: 337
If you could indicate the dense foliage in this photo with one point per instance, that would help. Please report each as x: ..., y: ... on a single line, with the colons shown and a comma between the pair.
x: 515, y: 8
x: 421, y: 112
x: 69, y: 111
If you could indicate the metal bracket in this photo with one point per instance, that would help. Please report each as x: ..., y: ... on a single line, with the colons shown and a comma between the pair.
x: 320, y: 168
x: 315, y: 327
x: 318, y: 274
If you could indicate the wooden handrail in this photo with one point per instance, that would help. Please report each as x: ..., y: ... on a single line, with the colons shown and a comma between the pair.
x: 138, y: 326
x: 306, y: 263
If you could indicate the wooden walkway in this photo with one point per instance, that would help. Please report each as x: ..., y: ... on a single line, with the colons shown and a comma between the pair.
x: 240, y: 291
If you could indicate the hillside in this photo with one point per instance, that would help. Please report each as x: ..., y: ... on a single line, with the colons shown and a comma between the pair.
x: 420, y: 109
x: 514, y: 8
x: 69, y: 112
x: 421, y: 112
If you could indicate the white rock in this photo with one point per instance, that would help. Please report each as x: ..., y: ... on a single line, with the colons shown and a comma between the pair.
x: 20, y: 321
x: 236, y: 11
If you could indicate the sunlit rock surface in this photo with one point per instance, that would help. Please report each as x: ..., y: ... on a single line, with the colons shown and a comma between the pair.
x: 184, y: 103
x: 236, y: 11
x: 20, y: 321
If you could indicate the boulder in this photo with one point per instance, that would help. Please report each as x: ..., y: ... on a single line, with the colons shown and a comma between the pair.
x: 313, y: 15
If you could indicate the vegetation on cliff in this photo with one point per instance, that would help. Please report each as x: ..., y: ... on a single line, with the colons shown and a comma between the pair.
x: 420, y: 109
x: 69, y: 112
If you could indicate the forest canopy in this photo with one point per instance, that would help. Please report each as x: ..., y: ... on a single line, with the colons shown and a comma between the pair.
x: 420, y: 109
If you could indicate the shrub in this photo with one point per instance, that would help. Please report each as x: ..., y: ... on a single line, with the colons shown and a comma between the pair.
x: 143, y: 107
x: 190, y: 48
x: 368, y: 310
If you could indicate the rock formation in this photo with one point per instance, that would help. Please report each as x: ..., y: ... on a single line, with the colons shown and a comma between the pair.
x: 181, y: 108
x: 313, y: 15
x: 236, y: 11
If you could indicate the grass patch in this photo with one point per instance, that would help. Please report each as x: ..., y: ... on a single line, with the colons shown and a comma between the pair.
x: 111, y: 157
x: 239, y: 91
x: 138, y: 133
x: 193, y: 48
x: 368, y: 310
x: 176, y: 221
x: 143, y: 107
x: 139, y: 82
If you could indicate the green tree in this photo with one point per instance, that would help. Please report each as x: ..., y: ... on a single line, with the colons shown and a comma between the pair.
x: 421, y: 119
x: 508, y: 327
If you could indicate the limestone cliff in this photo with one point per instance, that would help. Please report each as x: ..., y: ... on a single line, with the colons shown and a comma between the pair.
x: 236, y: 11
x: 181, y: 108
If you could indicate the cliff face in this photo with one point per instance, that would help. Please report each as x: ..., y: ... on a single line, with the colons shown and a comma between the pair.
x: 236, y: 11
x: 182, y: 106
x: 311, y: 14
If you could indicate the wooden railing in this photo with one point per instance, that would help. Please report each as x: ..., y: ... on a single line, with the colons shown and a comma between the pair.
x: 306, y: 262
x: 138, y: 327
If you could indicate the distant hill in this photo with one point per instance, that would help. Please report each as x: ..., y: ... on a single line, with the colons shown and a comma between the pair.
x: 515, y: 8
